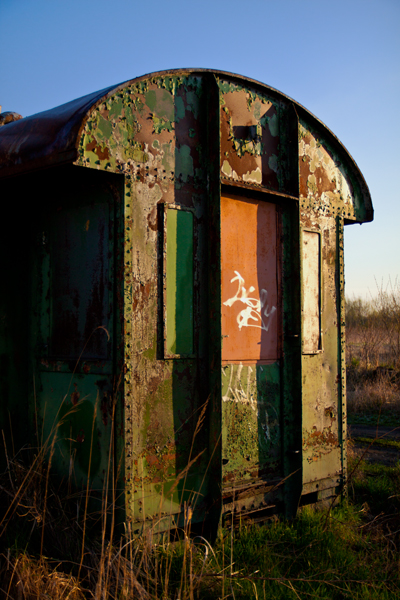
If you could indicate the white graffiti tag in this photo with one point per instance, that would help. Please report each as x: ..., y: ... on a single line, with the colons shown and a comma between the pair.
x: 257, y: 309
x: 240, y: 389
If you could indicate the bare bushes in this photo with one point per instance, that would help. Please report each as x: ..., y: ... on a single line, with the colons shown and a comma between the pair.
x: 372, y: 392
x: 373, y: 352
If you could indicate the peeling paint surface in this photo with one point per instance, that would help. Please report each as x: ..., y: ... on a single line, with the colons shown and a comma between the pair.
x: 179, y: 328
x: 160, y: 120
x: 249, y: 136
x: 320, y: 369
x: 73, y: 316
x: 325, y: 182
x: 251, y: 441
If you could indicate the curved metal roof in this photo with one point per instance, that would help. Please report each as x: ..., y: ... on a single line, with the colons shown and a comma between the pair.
x: 51, y: 137
x: 45, y: 138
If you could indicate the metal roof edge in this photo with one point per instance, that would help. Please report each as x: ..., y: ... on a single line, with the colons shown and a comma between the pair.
x: 76, y: 109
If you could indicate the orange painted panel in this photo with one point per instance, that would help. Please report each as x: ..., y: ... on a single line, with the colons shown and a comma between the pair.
x: 250, y: 303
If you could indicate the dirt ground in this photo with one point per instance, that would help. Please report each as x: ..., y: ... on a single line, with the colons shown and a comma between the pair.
x: 374, y: 453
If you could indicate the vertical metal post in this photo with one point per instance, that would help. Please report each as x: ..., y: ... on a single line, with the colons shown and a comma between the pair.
x: 341, y: 311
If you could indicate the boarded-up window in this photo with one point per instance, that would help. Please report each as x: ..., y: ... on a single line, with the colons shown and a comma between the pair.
x: 80, y: 282
x: 311, y: 292
x: 249, y: 280
x: 178, y: 283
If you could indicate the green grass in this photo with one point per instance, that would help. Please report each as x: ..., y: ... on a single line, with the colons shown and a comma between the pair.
x: 378, y: 487
x: 351, y: 551
x: 382, y: 418
x: 314, y: 556
x: 348, y: 552
x: 382, y: 442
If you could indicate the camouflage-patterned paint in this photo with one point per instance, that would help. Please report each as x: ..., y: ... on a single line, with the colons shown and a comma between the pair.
x: 327, y: 186
x: 327, y: 196
x: 152, y: 132
x: 238, y: 435
x: 253, y: 127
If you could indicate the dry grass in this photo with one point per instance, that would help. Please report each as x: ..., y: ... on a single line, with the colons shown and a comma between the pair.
x: 53, y: 549
x: 373, y: 353
x: 372, y: 391
x: 47, y: 555
x: 27, y: 578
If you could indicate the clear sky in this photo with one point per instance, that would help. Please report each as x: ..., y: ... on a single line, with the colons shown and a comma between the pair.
x: 341, y: 60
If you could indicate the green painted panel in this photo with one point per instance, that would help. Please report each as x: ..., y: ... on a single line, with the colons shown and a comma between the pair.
x: 179, y: 274
x: 73, y: 310
x: 251, y: 431
x: 75, y: 418
x: 173, y: 437
x: 79, y: 281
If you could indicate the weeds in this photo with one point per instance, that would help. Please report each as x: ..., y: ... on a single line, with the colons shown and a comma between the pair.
x: 352, y: 553
x: 53, y: 547
x: 372, y: 394
x: 382, y: 442
x: 373, y: 328
x: 373, y: 355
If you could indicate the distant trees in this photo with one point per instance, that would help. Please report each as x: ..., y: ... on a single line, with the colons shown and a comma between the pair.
x: 373, y: 328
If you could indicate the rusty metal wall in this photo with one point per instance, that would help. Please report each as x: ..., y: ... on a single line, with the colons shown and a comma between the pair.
x: 326, y: 197
x: 74, y: 323
x: 156, y: 134
x: 225, y: 421
x: 257, y: 139
x: 326, y: 182
x: 258, y: 152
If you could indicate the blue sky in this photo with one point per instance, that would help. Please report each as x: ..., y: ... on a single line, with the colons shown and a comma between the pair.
x: 341, y: 60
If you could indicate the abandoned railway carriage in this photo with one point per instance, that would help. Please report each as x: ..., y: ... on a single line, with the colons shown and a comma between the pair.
x: 173, y: 301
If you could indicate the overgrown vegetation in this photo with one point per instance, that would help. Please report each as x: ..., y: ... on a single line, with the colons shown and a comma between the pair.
x: 53, y: 548
x: 53, y: 545
x: 373, y: 328
x: 373, y: 356
x: 350, y: 551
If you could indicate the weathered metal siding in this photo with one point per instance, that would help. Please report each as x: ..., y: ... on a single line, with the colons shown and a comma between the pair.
x: 74, y: 324
x: 326, y: 182
x: 251, y: 348
x: 258, y: 152
x: 15, y: 358
x: 257, y: 139
x: 217, y: 207
x: 326, y: 194
x: 156, y: 133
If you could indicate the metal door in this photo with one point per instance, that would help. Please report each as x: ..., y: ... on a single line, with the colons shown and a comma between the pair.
x: 73, y: 336
x: 251, y: 352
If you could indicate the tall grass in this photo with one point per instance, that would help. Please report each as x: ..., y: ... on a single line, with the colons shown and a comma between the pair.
x: 373, y: 328
x: 373, y: 354
x: 53, y: 546
x: 350, y: 552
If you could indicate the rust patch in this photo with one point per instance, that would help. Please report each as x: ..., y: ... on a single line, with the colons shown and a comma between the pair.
x: 103, y: 154
x: 152, y: 219
x: 141, y: 294
x: 154, y: 383
x: 75, y: 395
x: 329, y: 412
x: 320, y: 443
x: 104, y: 410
